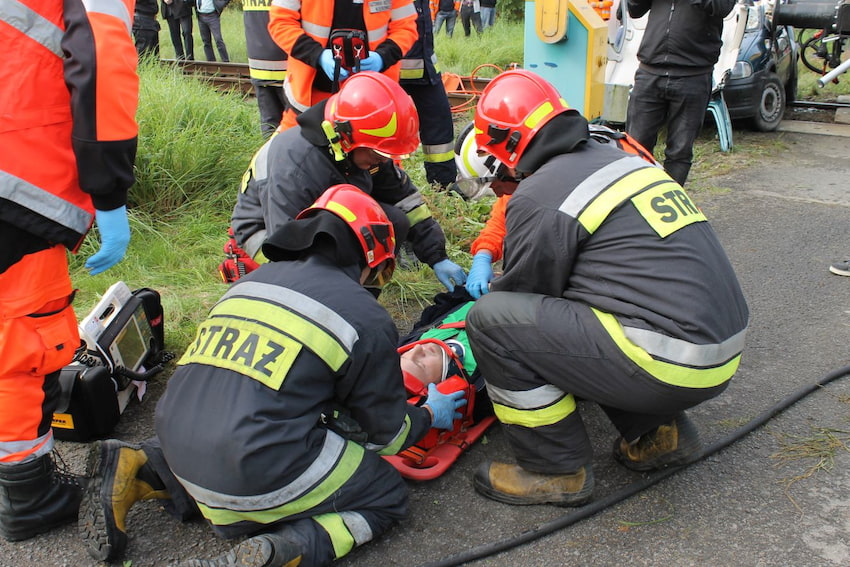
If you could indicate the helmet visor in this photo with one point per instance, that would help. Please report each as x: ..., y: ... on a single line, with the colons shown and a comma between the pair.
x: 391, y: 156
x: 474, y: 187
x: 381, y: 275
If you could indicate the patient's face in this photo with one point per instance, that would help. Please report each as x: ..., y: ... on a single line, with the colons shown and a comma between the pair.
x: 425, y: 362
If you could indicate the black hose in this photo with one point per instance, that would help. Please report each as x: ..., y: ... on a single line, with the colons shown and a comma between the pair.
x: 575, y: 516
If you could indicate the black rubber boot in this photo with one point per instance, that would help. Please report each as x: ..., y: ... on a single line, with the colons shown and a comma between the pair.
x: 35, y: 497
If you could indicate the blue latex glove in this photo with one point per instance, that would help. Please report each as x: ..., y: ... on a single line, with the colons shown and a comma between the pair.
x: 444, y: 406
x: 478, y: 282
x: 448, y: 272
x: 327, y: 63
x: 372, y: 63
x: 114, y: 237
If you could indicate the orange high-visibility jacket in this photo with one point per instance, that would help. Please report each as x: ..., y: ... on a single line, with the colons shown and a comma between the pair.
x: 310, y: 21
x: 68, y: 98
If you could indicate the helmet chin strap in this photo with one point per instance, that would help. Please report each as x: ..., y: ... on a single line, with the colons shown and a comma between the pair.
x: 334, y: 140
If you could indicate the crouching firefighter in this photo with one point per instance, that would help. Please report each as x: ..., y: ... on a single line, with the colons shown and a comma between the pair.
x: 248, y: 429
x: 615, y: 290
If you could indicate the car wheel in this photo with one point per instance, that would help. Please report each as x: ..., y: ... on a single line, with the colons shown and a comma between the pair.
x: 771, y: 104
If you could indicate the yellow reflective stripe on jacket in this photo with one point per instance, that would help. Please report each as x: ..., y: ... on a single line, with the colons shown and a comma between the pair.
x: 342, y: 472
x: 251, y: 349
x: 438, y: 153
x: 265, y: 75
x: 613, y: 196
x: 674, y: 374
x: 341, y: 539
x: 395, y: 445
x: 536, y: 417
x: 419, y: 214
x: 322, y: 343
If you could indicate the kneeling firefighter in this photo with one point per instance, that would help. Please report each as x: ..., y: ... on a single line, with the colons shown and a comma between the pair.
x: 249, y: 430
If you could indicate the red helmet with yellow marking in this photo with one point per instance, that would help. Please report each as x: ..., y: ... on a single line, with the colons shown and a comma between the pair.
x: 373, y: 111
x: 366, y: 219
x: 511, y: 110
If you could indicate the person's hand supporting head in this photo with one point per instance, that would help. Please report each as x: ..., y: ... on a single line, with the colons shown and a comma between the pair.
x: 114, y: 231
x: 444, y: 406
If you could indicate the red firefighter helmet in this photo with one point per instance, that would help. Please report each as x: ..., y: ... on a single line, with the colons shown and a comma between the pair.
x: 367, y: 220
x: 373, y: 111
x: 512, y: 108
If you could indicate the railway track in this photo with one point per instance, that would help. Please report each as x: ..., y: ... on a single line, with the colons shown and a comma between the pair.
x: 463, y: 91
x: 236, y: 76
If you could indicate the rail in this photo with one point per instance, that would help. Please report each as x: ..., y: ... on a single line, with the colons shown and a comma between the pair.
x: 463, y: 91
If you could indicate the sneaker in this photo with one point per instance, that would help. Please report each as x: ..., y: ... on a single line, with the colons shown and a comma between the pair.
x: 675, y: 443
x: 512, y: 484
x: 266, y: 550
x: 118, y: 479
x: 841, y: 268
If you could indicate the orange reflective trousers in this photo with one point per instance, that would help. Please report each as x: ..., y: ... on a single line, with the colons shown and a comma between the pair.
x: 38, y: 336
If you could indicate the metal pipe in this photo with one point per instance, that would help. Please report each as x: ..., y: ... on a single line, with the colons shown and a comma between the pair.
x: 828, y: 78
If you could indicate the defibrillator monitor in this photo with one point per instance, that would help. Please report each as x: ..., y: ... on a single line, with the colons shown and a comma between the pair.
x: 118, y: 329
x: 132, y: 344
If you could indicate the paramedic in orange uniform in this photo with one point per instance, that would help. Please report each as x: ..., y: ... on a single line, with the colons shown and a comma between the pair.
x: 68, y: 97
x: 303, y: 30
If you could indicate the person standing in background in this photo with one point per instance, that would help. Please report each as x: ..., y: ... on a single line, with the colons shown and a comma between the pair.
x: 67, y: 146
x: 446, y: 12
x: 178, y: 16
x: 421, y: 79
x: 673, y: 82
x: 209, y: 24
x: 488, y: 13
x: 470, y: 13
x: 267, y: 63
x: 146, y: 28
x: 303, y: 30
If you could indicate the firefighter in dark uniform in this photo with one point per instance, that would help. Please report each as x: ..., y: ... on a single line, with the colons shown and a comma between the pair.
x: 266, y: 63
x: 615, y: 290
x: 274, y: 423
x: 421, y: 79
x: 370, y: 116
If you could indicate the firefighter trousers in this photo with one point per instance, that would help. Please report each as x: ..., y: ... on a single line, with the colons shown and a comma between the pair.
x: 38, y: 336
x: 372, y: 500
x: 539, y: 354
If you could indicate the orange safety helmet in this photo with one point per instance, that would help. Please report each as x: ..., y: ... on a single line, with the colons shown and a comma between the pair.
x: 372, y: 111
x: 510, y: 111
x: 367, y: 220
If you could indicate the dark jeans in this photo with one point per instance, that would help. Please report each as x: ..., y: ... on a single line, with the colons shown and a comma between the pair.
x: 467, y: 16
x: 678, y: 102
x: 450, y: 18
x: 178, y: 27
x: 210, y: 28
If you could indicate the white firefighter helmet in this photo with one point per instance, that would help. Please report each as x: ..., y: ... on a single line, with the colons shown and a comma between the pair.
x: 475, y: 172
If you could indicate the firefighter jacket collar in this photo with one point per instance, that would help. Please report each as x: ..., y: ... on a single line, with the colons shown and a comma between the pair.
x: 324, y: 232
x: 562, y: 135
